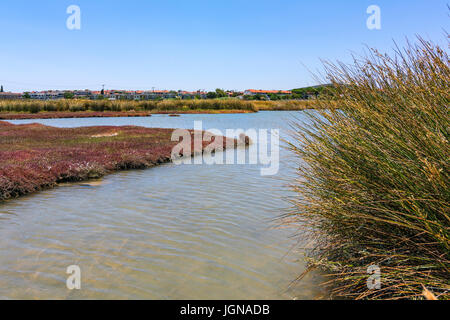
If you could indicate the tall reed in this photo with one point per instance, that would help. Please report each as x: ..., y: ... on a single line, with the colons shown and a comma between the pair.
x: 373, y: 185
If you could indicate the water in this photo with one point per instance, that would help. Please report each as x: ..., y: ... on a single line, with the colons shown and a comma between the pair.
x: 169, y: 232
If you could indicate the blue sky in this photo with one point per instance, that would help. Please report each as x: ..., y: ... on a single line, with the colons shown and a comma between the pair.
x: 197, y: 44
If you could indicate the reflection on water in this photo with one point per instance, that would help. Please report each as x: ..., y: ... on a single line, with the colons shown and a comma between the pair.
x: 170, y: 232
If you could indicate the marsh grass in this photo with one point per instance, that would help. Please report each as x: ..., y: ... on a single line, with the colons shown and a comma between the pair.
x: 373, y: 185
x: 65, y: 105
x: 285, y: 105
x: 14, y: 108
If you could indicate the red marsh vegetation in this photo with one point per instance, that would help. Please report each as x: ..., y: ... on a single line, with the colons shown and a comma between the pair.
x: 81, y: 114
x: 35, y: 157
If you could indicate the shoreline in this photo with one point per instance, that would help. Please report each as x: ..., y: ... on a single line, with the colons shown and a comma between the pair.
x: 35, y: 157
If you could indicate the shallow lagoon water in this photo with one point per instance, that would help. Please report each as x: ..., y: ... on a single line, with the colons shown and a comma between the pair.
x: 169, y: 232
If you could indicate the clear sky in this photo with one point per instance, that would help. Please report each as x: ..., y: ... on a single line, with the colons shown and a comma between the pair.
x: 197, y: 44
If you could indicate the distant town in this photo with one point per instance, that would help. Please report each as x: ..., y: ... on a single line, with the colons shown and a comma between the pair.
x: 250, y: 94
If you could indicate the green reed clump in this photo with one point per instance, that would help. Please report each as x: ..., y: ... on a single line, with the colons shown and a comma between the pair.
x: 373, y: 186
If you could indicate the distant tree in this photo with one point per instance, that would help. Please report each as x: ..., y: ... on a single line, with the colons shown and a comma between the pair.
x: 1, y: 88
x: 26, y: 95
x: 68, y: 95
x: 211, y: 95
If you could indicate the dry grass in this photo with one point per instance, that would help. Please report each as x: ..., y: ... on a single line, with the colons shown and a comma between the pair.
x: 373, y: 186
